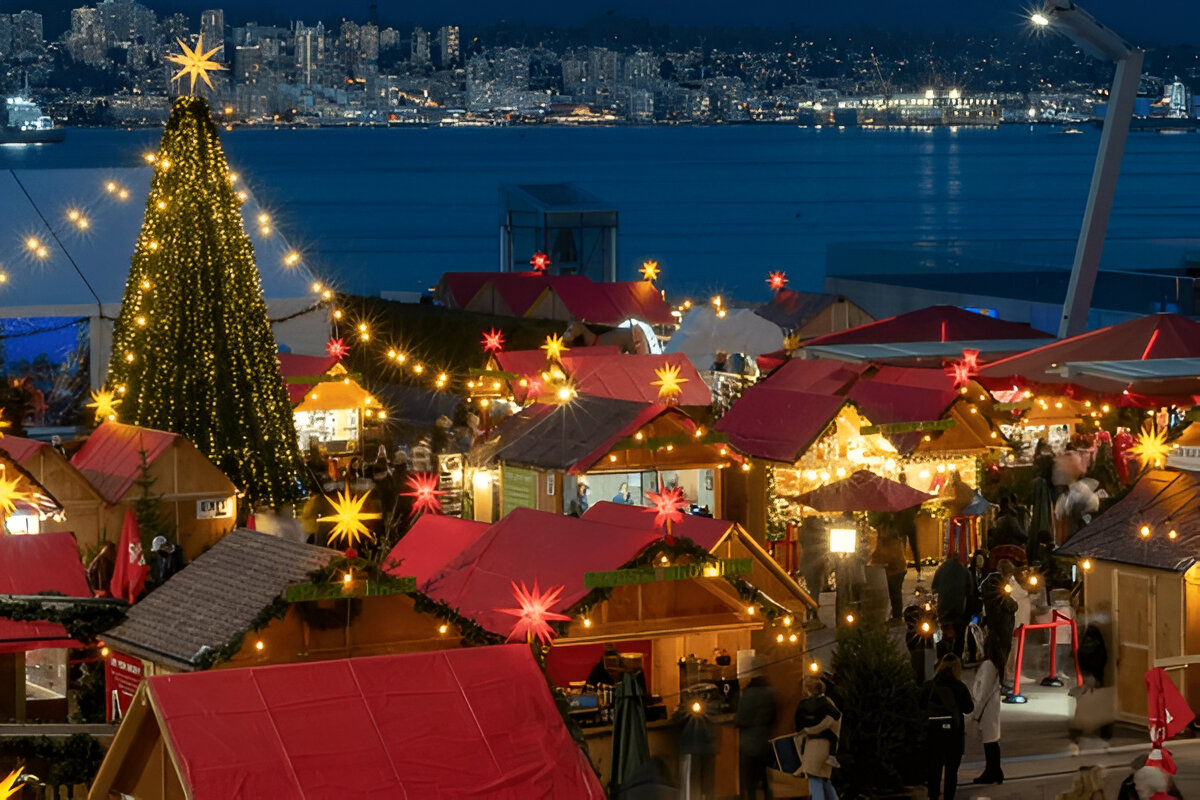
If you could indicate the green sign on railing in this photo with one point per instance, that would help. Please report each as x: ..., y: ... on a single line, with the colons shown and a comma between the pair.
x: 678, y: 572
x: 303, y: 592
x: 909, y: 427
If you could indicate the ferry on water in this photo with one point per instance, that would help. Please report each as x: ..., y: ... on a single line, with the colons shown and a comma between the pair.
x: 24, y: 123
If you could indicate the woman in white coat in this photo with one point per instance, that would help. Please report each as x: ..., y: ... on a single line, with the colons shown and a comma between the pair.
x: 986, y: 694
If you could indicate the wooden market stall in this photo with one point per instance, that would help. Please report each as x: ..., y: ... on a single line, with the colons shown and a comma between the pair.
x: 81, y: 506
x: 1140, y: 566
x: 249, y: 601
x: 193, y: 494
x: 543, y: 455
x: 416, y: 725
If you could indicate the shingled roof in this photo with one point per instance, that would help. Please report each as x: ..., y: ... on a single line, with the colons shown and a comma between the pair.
x: 215, y: 598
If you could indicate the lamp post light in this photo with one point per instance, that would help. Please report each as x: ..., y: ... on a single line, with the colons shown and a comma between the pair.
x: 842, y: 542
x: 1068, y: 19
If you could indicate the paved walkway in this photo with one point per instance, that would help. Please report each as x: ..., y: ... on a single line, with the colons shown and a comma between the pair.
x: 1039, y: 758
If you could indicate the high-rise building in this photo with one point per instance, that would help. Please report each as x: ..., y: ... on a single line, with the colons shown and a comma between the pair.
x: 84, y: 21
x: 389, y: 38
x: 247, y: 62
x: 447, y: 47
x: 212, y: 29
x: 420, y: 47
x: 86, y: 40
x: 368, y: 42
x: 6, y: 35
x: 310, y: 51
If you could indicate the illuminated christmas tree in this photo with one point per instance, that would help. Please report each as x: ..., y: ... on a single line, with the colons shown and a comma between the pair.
x: 193, y: 352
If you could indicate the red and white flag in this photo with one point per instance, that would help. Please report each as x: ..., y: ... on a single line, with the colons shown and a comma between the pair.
x: 129, y: 576
x: 1168, y: 714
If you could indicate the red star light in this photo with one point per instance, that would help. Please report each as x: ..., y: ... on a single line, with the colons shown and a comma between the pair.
x: 777, y: 280
x: 971, y: 359
x: 540, y: 262
x: 961, y: 372
x: 668, y: 507
x: 425, y: 493
x: 534, y: 615
x: 493, y: 341
x: 337, y: 348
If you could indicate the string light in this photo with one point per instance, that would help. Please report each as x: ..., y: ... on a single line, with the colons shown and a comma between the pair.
x: 292, y: 258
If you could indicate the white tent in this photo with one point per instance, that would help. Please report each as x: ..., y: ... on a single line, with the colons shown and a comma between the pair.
x: 702, y: 333
x: 81, y: 271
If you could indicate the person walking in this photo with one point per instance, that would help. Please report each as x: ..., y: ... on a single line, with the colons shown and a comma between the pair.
x: 754, y: 720
x: 986, y: 696
x: 821, y: 723
x: 952, y: 585
x: 945, y: 699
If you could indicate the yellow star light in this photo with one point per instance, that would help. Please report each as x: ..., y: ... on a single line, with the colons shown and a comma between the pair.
x: 348, y: 518
x: 195, y: 63
x: 10, y: 495
x: 1152, y: 448
x: 649, y: 270
x: 105, y: 403
x: 8, y: 786
x: 668, y: 382
x: 554, y: 346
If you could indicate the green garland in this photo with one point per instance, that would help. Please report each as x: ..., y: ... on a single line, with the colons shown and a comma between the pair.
x: 473, y: 634
x: 209, y: 657
x: 83, y: 620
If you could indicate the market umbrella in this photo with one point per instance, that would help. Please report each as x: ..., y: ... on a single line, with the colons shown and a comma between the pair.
x: 630, y: 748
x: 864, y: 491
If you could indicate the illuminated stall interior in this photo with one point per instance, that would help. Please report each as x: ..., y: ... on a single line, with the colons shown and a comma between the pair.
x: 332, y: 415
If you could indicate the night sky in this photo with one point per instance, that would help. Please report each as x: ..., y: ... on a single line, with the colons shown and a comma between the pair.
x: 1145, y: 22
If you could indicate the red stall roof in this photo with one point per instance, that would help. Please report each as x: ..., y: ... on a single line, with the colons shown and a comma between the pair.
x: 819, y: 376
x: 477, y: 722
x: 430, y: 543
x: 292, y: 365
x: 528, y: 545
x: 111, y: 457
x: 21, y: 450
x: 778, y: 425
x: 932, y: 324
x: 612, y: 303
x: 457, y: 289
x: 1150, y: 337
x: 45, y: 562
x: 706, y: 532
x: 631, y: 377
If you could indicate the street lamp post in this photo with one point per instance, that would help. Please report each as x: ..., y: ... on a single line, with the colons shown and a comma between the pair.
x: 1063, y: 16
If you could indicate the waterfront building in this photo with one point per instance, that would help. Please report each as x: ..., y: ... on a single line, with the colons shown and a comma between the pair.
x: 931, y: 107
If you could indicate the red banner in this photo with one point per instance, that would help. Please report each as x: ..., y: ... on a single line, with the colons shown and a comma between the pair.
x: 1168, y: 714
x: 122, y: 674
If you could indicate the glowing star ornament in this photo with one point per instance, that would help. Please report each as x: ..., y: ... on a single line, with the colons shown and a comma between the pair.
x: 493, y: 341
x: 649, y: 270
x: 195, y: 63
x: 669, y: 382
x: 337, y: 348
x: 105, y: 403
x: 348, y: 518
x: 534, y: 615
x: 668, y: 509
x: 961, y: 372
x: 540, y: 262
x: 554, y: 347
x: 425, y: 493
x: 777, y: 280
x: 10, y: 495
x: 1151, y: 448
x: 971, y: 360
x: 11, y: 784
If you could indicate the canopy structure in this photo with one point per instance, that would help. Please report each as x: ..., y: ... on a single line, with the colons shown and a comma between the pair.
x: 1164, y: 500
x: 1156, y: 336
x: 863, y: 491
x: 932, y: 324
x: 29, y: 565
x: 334, y: 395
x: 477, y: 722
x: 432, y: 542
x: 703, y: 332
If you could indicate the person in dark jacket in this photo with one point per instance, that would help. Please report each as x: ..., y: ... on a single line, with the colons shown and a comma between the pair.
x: 945, y: 700
x: 754, y: 720
x: 952, y: 585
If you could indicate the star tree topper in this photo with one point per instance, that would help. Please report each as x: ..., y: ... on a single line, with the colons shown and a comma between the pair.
x: 534, y: 615
x: 195, y: 63
x: 348, y: 518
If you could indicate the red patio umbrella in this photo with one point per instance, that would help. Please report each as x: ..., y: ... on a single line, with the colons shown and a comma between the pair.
x: 864, y: 491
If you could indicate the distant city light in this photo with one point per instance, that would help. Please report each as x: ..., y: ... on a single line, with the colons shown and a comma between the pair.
x: 1039, y: 19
